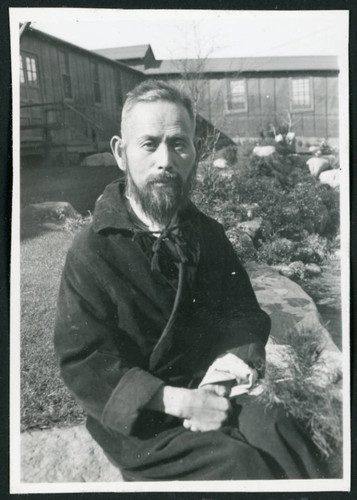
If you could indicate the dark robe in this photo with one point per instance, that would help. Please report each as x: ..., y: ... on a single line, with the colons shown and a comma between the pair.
x: 136, y: 312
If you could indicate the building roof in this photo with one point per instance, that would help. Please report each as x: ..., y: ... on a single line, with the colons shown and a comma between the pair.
x: 247, y: 64
x: 120, y: 53
x: 58, y: 41
x: 223, y: 64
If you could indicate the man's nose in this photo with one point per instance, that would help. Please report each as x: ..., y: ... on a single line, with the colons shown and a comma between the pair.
x: 164, y: 157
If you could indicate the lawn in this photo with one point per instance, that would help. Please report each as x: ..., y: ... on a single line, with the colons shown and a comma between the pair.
x: 45, y: 401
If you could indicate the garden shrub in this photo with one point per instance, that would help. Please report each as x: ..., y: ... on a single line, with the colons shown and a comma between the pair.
x: 313, y: 249
x: 331, y: 199
x: 292, y: 213
x: 243, y: 245
x: 300, y: 215
x: 276, y: 251
x: 288, y: 170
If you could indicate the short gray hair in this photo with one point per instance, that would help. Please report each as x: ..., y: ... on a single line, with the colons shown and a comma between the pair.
x: 156, y: 90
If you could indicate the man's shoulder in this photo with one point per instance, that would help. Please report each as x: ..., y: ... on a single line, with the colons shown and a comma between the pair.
x: 86, y: 243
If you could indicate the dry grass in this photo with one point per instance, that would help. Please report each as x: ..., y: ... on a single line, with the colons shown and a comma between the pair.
x: 45, y: 401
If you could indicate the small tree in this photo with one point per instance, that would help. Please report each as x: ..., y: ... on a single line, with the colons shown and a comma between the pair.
x: 192, y: 79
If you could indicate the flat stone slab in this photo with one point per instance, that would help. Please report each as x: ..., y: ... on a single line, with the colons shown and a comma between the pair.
x: 290, y: 308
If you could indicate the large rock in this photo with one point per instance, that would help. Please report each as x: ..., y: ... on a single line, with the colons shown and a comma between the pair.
x: 251, y: 227
x: 220, y: 163
x: 50, y: 211
x: 330, y: 177
x: 291, y: 310
x: 312, y: 269
x: 264, y: 151
x: 99, y: 160
x: 317, y: 165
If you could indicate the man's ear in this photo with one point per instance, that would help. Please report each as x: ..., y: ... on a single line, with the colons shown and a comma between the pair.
x: 116, y: 145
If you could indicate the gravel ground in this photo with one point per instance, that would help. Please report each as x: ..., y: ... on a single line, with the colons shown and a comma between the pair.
x: 64, y: 455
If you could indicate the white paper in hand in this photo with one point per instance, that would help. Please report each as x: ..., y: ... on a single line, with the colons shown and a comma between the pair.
x: 233, y: 373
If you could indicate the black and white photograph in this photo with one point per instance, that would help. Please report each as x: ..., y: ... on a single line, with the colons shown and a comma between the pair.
x: 180, y: 251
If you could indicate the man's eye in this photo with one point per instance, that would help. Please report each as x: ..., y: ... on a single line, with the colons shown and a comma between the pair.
x: 179, y: 145
x: 149, y: 145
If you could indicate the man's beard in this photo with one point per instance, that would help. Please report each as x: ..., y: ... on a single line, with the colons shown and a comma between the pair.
x: 160, y: 202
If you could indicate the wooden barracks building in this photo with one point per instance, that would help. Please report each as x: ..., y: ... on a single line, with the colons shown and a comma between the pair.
x: 71, y: 98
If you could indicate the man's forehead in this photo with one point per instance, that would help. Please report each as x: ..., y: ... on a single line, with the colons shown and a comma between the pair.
x: 156, y: 116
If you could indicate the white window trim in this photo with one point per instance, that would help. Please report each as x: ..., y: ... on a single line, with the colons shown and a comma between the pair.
x: 228, y: 96
x: 311, y: 89
x: 32, y: 83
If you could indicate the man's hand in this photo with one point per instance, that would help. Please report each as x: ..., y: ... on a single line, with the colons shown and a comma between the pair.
x: 213, y: 421
x: 201, y: 409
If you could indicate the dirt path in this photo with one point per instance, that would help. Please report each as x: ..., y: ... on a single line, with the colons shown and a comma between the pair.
x: 64, y: 455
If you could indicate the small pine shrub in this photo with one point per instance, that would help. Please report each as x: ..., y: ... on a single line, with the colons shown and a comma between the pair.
x: 313, y: 249
x: 276, y: 251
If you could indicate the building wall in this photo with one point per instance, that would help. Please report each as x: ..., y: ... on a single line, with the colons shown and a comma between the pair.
x: 77, y: 133
x: 268, y: 103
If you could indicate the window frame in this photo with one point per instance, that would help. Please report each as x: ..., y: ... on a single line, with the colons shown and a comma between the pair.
x: 65, y: 74
x: 25, y: 71
x: 301, y: 109
x: 229, y: 100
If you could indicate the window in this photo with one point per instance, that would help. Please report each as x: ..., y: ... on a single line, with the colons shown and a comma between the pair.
x: 95, y: 80
x: 301, y: 94
x: 237, y: 95
x: 66, y: 76
x: 28, y: 70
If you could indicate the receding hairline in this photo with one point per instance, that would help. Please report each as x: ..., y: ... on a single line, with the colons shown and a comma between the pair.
x: 152, y: 91
x: 129, y: 112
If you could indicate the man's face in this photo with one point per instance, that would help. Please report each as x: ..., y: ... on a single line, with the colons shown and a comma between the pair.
x: 159, y: 156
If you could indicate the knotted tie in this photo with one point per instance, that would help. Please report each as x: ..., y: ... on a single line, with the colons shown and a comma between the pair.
x: 174, y: 239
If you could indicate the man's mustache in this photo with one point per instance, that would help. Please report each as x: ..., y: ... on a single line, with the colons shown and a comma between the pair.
x: 166, y: 177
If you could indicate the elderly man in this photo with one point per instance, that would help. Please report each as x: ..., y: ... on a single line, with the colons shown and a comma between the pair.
x: 157, y: 320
